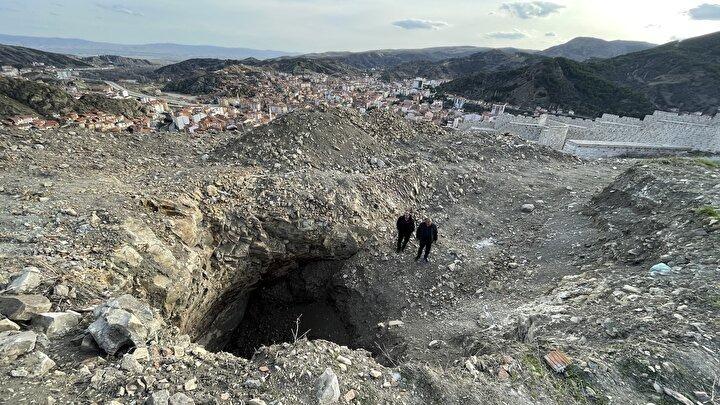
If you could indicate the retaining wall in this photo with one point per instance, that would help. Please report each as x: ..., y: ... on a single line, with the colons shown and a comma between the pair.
x: 660, y: 129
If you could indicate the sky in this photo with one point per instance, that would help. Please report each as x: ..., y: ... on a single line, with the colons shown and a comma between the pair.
x: 355, y: 25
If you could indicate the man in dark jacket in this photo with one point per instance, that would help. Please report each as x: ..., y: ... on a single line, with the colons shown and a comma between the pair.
x: 405, y: 227
x: 426, y: 234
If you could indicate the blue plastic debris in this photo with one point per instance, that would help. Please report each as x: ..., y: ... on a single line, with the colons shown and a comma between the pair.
x: 660, y: 269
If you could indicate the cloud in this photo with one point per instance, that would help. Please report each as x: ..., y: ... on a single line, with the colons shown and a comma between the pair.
x: 705, y: 12
x: 416, y: 24
x: 531, y: 9
x: 551, y: 34
x: 514, y: 35
x: 118, y: 8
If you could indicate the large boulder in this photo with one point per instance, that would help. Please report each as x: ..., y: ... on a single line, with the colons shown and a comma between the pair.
x: 56, y: 323
x: 122, y: 323
x: 23, y: 307
x: 29, y: 279
x: 14, y: 344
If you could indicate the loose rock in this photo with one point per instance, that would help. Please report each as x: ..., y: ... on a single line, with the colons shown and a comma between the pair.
x: 327, y: 388
x: 23, y: 307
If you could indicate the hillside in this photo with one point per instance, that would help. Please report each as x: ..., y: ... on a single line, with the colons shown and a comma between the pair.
x: 584, y: 48
x: 239, y: 77
x: 19, y: 96
x: 384, y: 58
x: 401, y: 63
x: 553, y: 83
x: 486, y: 61
x: 303, y: 65
x: 389, y: 58
x: 19, y: 57
x: 193, y: 67
x: 231, y: 81
x: 117, y: 61
x: 683, y: 75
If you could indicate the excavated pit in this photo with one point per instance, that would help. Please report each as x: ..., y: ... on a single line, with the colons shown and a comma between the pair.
x: 295, y: 300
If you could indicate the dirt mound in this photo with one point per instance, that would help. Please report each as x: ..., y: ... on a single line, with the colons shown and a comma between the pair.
x: 661, y: 211
x: 337, y: 139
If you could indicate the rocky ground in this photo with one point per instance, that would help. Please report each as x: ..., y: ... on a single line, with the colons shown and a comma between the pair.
x: 259, y: 268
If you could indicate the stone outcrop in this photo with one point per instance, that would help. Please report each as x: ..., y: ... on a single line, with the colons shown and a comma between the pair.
x: 55, y: 323
x: 23, y: 307
x: 35, y: 364
x: 8, y: 325
x: 122, y: 323
x: 29, y: 279
x: 14, y: 344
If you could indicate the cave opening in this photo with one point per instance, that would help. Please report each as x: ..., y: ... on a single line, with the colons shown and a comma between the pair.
x: 302, y: 299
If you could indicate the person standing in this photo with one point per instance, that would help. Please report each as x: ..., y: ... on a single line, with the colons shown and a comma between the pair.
x: 426, y: 234
x: 405, y: 227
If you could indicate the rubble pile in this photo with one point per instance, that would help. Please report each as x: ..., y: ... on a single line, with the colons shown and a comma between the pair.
x: 330, y: 139
x: 260, y: 268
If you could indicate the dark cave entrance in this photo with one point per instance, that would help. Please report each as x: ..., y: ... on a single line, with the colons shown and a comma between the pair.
x: 302, y: 300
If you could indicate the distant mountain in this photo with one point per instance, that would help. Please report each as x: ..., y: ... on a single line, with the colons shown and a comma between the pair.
x: 487, y: 61
x: 683, y: 75
x: 584, y: 48
x: 18, y: 96
x: 553, y: 83
x: 19, y: 57
x: 163, y: 52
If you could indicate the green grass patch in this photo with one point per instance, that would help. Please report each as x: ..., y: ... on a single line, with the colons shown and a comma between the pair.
x: 707, y: 162
x: 709, y: 211
x: 679, y: 161
x: 565, y: 388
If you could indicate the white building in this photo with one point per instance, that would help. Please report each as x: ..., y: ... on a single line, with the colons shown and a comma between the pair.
x: 498, y: 109
x: 181, y: 121
x: 9, y: 71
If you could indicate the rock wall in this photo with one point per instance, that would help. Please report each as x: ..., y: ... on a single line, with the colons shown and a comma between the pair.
x: 525, y: 127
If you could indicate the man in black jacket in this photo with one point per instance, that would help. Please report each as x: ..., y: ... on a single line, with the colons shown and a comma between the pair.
x: 405, y: 227
x: 426, y: 234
